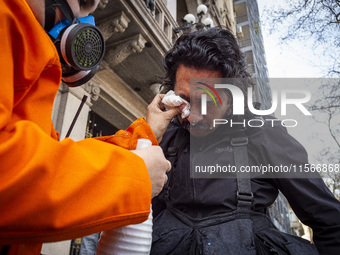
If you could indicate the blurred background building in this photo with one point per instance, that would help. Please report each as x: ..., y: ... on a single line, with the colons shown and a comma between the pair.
x: 249, y: 34
x: 138, y: 33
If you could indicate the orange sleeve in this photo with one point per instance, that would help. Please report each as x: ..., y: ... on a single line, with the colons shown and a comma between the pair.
x: 128, y: 138
x: 60, y: 190
x: 52, y: 190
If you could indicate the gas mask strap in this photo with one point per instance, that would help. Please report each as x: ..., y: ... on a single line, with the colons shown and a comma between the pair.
x: 49, y: 14
x: 65, y: 10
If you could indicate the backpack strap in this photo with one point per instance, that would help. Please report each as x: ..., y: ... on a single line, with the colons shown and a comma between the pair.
x: 244, y: 196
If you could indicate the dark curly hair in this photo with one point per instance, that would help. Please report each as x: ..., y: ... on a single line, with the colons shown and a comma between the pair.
x: 213, y: 49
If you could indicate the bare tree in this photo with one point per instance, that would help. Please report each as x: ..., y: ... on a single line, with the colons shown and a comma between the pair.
x: 328, y: 104
x: 309, y: 19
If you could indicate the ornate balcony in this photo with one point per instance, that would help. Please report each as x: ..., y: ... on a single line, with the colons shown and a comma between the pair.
x: 136, y: 40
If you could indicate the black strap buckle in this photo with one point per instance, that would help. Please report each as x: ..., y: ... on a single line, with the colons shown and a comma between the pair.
x: 239, y: 141
x: 245, y: 197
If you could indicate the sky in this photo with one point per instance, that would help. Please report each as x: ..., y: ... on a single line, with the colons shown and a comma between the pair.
x: 297, y: 59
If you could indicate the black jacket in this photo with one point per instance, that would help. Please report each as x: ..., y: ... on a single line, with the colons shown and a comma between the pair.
x: 310, y: 199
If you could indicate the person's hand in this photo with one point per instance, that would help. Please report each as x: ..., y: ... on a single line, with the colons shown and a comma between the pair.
x: 158, y: 118
x: 157, y: 166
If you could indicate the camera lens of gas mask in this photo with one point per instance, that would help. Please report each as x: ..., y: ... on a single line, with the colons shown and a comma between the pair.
x: 81, y: 48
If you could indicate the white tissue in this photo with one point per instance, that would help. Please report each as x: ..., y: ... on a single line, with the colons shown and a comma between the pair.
x: 171, y: 100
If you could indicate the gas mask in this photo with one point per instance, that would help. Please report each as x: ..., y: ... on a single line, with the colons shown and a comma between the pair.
x: 80, y: 44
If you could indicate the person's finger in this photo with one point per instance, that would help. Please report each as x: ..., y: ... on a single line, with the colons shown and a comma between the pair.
x: 182, y: 106
x: 161, y: 96
x: 160, y: 104
x: 157, y: 104
x: 157, y: 99
x: 169, y: 168
x: 171, y: 113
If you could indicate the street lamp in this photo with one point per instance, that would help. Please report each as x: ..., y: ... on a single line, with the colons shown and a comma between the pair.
x: 189, y: 20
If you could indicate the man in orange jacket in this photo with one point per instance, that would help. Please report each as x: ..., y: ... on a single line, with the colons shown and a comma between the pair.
x: 51, y: 190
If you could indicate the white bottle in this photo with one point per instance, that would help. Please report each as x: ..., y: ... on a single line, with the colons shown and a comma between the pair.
x: 128, y: 240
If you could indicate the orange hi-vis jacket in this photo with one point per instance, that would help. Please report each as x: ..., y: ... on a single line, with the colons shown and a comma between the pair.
x: 51, y: 190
